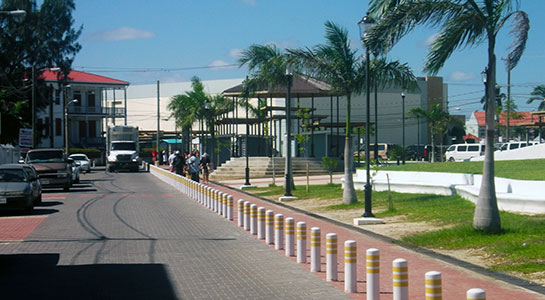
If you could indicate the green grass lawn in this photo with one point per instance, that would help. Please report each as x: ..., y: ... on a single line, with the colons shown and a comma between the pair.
x: 520, y: 248
x: 532, y: 169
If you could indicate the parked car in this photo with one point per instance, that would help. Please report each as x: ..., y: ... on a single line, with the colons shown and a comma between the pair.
x: 83, y: 161
x: 75, y: 170
x: 52, y: 167
x: 19, y: 187
x: 384, y: 150
x: 414, y: 152
x: 461, y: 152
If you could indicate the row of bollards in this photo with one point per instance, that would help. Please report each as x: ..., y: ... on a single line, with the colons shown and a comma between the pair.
x: 284, y: 233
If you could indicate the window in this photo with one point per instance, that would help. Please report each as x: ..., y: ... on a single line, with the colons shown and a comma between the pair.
x: 513, y: 146
x: 47, y: 125
x: 91, y: 99
x: 92, y: 128
x: 462, y: 148
x: 82, y: 129
x: 58, y: 127
x: 77, y: 96
x: 473, y: 148
x: 57, y: 96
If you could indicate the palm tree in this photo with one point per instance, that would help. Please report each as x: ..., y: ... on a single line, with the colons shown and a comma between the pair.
x: 337, y: 64
x: 438, y: 122
x: 267, y: 66
x: 539, y: 95
x: 463, y: 23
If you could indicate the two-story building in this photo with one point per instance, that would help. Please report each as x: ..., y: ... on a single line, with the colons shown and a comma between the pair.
x: 99, y: 99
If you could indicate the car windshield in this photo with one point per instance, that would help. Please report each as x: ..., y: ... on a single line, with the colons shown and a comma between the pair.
x: 45, y: 156
x: 11, y: 175
x: 123, y: 146
x: 78, y: 157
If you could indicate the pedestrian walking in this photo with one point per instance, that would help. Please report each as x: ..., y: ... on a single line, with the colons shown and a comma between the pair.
x: 193, y: 163
x: 171, y: 161
x: 179, y: 163
x: 165, y: 157
x: 205, y: 167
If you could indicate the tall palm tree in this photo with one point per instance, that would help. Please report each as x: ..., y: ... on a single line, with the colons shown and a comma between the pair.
x: 267, y: 65
x: 438, y: 122
x: 337, y: 64
x: 538, y: 95
x: 462, y: 23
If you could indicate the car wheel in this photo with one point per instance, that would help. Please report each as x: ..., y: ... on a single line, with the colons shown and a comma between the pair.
x: 38, y: 200
x: 451, y: 159
x: 29, y: 208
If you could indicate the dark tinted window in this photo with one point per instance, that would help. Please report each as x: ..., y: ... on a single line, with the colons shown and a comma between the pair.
x: 462, y: 148
x: 46, y: 156
x: 473, y: 148
x: 12, y: 175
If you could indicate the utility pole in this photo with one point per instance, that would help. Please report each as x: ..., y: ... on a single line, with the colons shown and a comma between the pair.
x: 158, y: 120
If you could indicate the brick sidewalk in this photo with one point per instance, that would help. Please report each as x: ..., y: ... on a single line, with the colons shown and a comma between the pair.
x: 456, y: 279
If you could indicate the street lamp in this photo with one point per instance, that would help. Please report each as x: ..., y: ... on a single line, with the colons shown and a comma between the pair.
x: 66, y: 123
x: 366, y: 24
x: 403, y: 125
x: 206, y: 110
x: 15, y: 13
x: 246, y: 94
x: 287, y: 171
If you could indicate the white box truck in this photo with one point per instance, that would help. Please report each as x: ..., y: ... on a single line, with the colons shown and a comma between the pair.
x: 122, y: 150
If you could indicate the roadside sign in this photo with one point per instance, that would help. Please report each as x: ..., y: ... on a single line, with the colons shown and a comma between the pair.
x: 25, y: 138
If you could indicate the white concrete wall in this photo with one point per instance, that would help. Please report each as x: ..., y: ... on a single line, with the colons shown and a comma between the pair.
x: 530, y: 152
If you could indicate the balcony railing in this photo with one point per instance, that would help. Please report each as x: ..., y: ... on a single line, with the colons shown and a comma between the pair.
x: 96, y: 110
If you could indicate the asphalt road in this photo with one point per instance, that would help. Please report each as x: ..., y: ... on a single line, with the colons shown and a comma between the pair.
x: 130, y: 236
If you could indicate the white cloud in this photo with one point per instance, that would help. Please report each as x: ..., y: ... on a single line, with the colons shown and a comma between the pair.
x: 220, y: 64
x: 235, y: 53
x: 461, y: 76
x: 427, y: 42
x: 122, y: 34
x: 250, y: 2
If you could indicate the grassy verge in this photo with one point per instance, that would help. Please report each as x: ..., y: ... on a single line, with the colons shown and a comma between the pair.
x: 519, y: 249
x: 515, y: 169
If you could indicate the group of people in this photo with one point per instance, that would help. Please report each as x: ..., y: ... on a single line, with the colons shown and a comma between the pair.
x: 190, y: 164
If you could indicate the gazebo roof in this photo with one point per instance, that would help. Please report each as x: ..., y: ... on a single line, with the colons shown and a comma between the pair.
x: 302, y: 86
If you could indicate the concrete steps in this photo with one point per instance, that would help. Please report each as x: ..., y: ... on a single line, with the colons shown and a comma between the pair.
x: 263, y: 167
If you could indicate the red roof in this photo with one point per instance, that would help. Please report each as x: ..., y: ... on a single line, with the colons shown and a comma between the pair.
x: 524, y: 117
x: 470, y: 136
x: 83, y: 77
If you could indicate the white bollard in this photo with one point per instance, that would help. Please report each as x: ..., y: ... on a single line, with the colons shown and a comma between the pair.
x: 331, y: 256
x: 301, y: 242
x: 476, y: 294
x: 373, y: 272
x: 315, y: 244
x: 261, y: 223
x: 269, y: 227
x: 433, y: 286
x: 207, y: 198
x: 240, y: 213
x: 350, y: 260
x: 230, y: 208
x: 253, y: 219
x: 221, y: 196
x: 288, y: 232
x: 216, y: 200
x: 224, y: 208
x: 247, y: 215
x: 400, y: 278
x: 279, y: 231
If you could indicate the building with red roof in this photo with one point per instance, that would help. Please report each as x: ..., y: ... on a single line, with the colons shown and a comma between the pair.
x: 518, y: 124
x: 98, y: 99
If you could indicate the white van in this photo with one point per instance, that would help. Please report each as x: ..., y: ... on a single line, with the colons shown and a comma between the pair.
x: 515, y: 145
x: 461, y: 152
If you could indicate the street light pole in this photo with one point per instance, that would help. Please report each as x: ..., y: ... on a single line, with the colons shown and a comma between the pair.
x: 365, y: 25
x: 66, y: 123
x: 287, y: 175
x: 403, y: 125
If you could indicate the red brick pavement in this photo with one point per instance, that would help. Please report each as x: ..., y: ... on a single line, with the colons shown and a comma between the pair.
x: 18, y: 228
x: 456, y: 280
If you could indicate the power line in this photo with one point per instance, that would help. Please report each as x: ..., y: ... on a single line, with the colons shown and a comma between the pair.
x: 150, y: 70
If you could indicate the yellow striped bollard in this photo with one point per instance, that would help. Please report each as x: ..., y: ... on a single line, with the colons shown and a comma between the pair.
x: 261, y: 223
x: 400, y: 278
x: 373, y: 272
x: 253, y: 219
x: 220, y: 201
x: 315, y: 244
x: 247, y: 215
x: 224, y: 208
x: 288, y: 232
x: 433, y: 286
x: 240, y: 212
x: 350, y: 260
x: 230, y: 208
x: 209, y: 197
x: 476, y: 294
x: 331, y: 257
x: 301, y: 242
x: 279, y: 232
x: 269, y: 227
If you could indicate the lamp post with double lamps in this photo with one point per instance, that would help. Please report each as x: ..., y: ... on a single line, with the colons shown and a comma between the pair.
x: 287, y: 170
x: 66, y: 123
x: 365, y: 25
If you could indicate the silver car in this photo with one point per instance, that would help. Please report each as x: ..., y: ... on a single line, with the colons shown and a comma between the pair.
x: 83, y: 161
x: 19, y: 187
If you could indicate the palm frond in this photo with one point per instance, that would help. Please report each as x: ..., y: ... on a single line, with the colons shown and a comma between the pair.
x: 520, y: 29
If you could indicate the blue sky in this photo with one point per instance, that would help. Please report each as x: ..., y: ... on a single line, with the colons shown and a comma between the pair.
x: 143, y: 41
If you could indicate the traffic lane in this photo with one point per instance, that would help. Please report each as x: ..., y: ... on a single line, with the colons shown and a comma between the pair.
x: 133, y: 219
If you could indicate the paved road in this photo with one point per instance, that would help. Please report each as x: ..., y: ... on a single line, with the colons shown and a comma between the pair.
x: 128, y: 235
